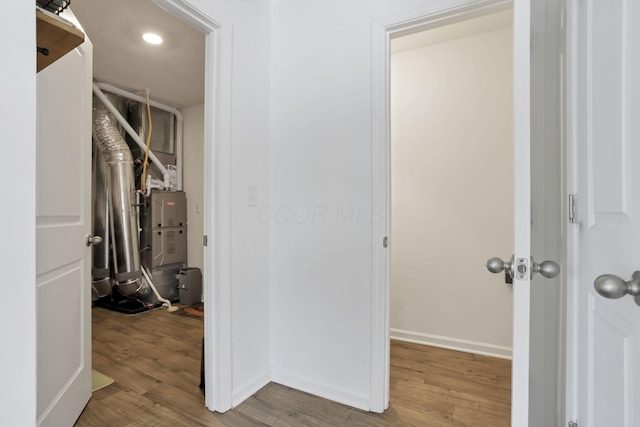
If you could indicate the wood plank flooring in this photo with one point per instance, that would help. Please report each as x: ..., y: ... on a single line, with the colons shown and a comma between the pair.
x: 154, y: 358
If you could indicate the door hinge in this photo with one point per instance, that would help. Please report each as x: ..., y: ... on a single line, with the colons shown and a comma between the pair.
x: 573, y: 424
x: 573, y: 214
x: 205, y: 240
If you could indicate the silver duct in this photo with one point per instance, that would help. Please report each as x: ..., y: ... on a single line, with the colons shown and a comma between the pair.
x: 121, y: 215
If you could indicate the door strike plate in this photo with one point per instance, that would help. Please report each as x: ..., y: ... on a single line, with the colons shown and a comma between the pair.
x: 522, y: 268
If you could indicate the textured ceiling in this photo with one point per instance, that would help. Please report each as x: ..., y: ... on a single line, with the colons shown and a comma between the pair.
x: 173, y: 71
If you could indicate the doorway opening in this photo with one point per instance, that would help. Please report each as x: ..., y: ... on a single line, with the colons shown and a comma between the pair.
x: 451, y: 202
x: 206, y: 126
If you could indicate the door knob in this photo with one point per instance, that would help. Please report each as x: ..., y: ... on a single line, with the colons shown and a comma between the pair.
x: 93, y: 240
x: 496, y: 265
x: 614, y: 287
x: 548, y: 269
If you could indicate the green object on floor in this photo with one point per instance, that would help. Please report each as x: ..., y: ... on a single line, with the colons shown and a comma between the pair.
x: 99, y: 380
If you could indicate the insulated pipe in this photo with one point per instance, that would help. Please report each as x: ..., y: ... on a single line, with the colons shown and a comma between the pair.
x: 151, y: 184
x: 179, y: 161
x: 123, y: 122
x: 121, y: 191
x: 179, y: 120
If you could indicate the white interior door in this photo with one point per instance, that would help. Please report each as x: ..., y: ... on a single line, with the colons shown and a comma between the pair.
x: 62, y: 224
x: 608, y: 142
x: 537, y: 386
x: 549, y: 215
x: 522, y: 211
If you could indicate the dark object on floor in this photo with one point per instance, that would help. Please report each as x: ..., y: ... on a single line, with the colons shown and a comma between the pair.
x: 196, y: 311
x: 190, y: 286
x: 202, y: 369
x: 125, y: 304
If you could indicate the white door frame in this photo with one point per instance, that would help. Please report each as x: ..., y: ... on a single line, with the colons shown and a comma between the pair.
x: 571, y: 105
x: 444, y: 12
x: 217, y: 198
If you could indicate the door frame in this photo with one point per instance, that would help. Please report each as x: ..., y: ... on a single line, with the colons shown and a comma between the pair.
x: 217, y: 198
x: 573, y: 66
x: 382, y: 32
x: 444, y: 12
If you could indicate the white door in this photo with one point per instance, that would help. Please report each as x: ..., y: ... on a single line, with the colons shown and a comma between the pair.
x: 63, y: 270
x: 608, y: 144
x: 549, y: 217
x: 537, y: 392
x: 522, y: 250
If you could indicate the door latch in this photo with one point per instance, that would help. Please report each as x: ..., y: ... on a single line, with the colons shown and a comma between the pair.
x: 519, y: 269
x: 508, y: 279
x: 522, y: 268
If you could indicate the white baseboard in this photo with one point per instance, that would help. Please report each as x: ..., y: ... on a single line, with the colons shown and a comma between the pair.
x: 452, y: 343
x: 248, y: 390
x: 321, y: 390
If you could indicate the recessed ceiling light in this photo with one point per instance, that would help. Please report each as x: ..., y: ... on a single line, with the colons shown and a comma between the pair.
x: 152, y: 38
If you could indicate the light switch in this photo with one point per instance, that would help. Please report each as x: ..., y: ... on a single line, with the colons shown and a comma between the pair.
x: 252, y: 196
x: 197, y: 208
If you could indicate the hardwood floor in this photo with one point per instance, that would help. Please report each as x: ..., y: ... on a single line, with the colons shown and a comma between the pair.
x: 154, y: 358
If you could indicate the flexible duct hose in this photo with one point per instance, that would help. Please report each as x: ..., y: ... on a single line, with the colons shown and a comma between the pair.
x: 120, y: 182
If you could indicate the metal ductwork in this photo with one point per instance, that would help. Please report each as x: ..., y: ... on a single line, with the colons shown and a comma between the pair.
x: 115, y: 189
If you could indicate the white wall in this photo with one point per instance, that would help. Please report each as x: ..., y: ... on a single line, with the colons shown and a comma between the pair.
x: 17, y: 246
x: 452, y: 192
x: 321, y: 188
x: 319, y: 266
x: 193, y: 158
x: 250, y: 165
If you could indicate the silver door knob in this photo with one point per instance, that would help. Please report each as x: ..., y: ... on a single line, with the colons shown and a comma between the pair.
x: 614, y: 287
x: 548, y: 269
x: 93, y: 240
x: 497, y: 265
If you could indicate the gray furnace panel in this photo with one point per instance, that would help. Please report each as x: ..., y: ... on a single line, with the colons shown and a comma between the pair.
x: 167, y: 209
x: 164, y: 225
